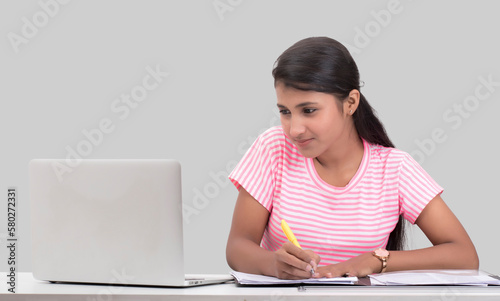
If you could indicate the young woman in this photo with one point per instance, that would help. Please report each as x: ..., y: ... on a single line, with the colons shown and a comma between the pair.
x: 332, y: 173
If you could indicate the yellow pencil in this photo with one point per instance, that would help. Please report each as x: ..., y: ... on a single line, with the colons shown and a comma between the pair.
x: 289, y: 233
x: 291, y: 237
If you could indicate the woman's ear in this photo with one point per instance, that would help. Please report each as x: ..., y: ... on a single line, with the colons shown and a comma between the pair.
x: 352, y: 102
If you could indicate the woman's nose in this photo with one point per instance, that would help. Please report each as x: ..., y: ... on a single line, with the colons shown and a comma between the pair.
x: 297, y: 127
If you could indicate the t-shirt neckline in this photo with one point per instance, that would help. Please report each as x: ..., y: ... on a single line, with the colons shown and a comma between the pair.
x: 319, y: 182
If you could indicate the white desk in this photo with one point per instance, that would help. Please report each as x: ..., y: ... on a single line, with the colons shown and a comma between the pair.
x: 31, y: 289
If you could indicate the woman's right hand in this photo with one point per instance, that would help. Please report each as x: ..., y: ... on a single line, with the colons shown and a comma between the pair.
x: 292, y: 262
x: 243, y: 250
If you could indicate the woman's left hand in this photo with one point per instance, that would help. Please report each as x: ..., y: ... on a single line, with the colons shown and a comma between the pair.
x: 360, y: 266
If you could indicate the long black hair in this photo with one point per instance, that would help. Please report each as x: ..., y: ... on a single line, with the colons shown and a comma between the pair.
x: 324, y: 65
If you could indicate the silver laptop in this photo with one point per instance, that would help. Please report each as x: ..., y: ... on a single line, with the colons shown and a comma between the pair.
x: 109, y: 221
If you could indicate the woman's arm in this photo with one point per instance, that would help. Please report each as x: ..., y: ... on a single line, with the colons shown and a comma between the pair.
x: 452, y: 248
x: 243, y: 251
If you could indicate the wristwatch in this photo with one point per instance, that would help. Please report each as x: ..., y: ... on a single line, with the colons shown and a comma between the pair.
x: 382, y: 254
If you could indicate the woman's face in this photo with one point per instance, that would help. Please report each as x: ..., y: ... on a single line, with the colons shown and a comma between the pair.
x: 314, y: 121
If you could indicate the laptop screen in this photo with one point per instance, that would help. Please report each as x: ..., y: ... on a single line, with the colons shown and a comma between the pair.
x: 107, y: 221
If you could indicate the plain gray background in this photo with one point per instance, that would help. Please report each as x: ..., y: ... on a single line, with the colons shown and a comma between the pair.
x: 424, y: 64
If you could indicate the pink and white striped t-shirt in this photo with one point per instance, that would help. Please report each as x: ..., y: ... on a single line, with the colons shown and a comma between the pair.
x: 337, y: 223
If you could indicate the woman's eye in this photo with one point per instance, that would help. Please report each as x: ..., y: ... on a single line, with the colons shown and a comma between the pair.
x: 284, y: 112
x: 309, y: 111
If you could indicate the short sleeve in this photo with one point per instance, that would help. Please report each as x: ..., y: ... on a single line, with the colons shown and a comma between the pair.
x: 257, y: 170
x: 416, y: 188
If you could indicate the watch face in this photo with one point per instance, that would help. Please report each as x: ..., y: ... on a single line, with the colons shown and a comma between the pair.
x: 382, y: 252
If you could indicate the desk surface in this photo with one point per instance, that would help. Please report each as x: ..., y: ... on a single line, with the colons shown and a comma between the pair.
x: 29, y: 288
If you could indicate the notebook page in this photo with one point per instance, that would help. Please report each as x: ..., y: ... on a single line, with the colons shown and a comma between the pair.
x: 245, y: 278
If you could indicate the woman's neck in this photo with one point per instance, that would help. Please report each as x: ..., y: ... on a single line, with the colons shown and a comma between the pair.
x: 348, y: 153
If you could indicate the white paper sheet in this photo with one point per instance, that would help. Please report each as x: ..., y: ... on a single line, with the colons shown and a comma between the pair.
x: 434, y: 277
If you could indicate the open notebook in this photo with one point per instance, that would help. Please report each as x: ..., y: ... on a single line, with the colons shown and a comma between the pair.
x: 252, y: 279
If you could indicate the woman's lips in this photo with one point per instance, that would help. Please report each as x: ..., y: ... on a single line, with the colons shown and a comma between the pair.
x: 303, y: 142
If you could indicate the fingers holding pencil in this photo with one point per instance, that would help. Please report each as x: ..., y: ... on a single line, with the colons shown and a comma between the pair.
x: 292, y: 260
